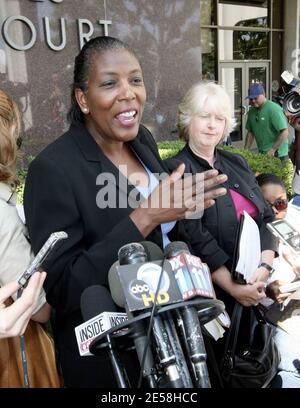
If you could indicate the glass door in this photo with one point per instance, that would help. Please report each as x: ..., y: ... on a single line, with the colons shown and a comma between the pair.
x: 231, y: 77
x: 236, y: 78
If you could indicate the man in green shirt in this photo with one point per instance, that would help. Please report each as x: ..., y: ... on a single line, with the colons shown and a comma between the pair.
x: 267, y: 124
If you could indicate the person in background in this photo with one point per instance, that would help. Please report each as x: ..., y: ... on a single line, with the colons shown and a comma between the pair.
x: 205, y: 118
x: 15, y: 256
x: 15, y: 250
x: 267, y: 124
x: 105, y: 149
x: 296, y: 162
x: 287, y: 269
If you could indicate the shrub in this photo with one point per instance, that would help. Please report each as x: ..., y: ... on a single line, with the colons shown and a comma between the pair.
x: 22, y: 174
x: 259, y: 163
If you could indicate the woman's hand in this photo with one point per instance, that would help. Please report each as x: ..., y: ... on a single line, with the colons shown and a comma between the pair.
x: 292, y: 259
x: 273, y: 291
x: 261, y: 274
x: 14, y: 318
x: 248, y: 295
x: 176, y: 198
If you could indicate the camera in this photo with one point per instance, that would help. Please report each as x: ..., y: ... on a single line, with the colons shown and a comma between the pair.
x: 290, y: 101
x: 41, y: 256
x: 286, y: 233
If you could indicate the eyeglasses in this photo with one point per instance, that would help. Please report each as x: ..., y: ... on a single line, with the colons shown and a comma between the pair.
x: 280, y: 204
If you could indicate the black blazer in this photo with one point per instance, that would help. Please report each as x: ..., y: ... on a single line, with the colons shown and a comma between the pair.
x: 60, y: 194
x: 219, y: 222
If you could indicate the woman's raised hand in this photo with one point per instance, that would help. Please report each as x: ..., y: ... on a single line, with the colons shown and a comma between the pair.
x: 177, y: 197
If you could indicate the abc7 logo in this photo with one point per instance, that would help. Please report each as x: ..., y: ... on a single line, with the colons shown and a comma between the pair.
x: 138, y: 287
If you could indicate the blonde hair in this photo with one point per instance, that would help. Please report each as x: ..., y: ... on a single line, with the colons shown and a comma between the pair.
x: 10, y: 125
x: 197, y: 96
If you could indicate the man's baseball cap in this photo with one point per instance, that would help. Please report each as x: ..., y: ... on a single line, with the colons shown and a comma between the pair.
x: 255, y: 90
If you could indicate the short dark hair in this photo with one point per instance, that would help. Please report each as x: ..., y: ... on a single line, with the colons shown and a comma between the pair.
x: 82, y: 66
x: 268, y: 178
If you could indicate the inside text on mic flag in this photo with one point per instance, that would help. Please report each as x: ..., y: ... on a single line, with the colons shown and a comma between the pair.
x: 92, y: 328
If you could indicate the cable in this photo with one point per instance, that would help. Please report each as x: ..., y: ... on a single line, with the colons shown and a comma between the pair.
x: 151, y: 322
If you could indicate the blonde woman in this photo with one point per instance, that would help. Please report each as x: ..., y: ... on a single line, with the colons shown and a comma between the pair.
x: 205, y: 119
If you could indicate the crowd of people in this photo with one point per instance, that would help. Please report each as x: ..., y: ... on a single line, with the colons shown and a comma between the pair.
x: 62, y: 194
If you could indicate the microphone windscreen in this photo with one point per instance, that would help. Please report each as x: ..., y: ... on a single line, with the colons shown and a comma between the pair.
x: 95, y: 300
x: 175, y: 248
x: 153, y: 251
x: 131, y: 254
x: 115, y: 286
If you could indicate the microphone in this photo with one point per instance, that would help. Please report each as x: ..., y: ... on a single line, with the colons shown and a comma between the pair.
x: 136, y: 254
x: 94, y: 301
x: 133, y: 253
x: 181, y: 260
x: 154, y: 253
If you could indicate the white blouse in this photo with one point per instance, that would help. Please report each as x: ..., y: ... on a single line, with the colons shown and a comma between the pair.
x: 15, y: 250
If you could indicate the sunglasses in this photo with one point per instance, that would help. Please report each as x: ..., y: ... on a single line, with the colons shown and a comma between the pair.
x: 280, y: 204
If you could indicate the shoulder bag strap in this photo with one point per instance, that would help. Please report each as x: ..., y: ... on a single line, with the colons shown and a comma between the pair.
x: 233, y: 332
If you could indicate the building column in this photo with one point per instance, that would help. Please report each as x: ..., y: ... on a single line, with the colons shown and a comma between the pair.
x: 291, y: 49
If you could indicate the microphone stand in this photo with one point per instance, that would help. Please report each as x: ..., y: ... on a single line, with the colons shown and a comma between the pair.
x: 116, y: 365
x: 144, y: 355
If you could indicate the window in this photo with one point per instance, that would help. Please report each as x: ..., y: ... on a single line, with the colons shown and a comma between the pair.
x: 208, y: 53
x: 244, y: 14
x: 243, y: 45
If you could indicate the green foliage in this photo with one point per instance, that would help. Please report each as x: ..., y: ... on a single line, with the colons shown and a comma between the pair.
x: 170, y: 148
x: 22, y: 174
x: 258, y: 163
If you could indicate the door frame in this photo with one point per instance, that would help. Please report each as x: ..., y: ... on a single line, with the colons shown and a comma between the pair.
x: 245, y: 65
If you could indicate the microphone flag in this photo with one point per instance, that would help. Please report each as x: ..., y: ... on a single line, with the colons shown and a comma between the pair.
x: 92, y: 328
x: 139, y: 282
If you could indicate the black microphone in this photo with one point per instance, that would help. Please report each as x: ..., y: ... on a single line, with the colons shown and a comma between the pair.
x: 177, y: 252
x: 131, y: 254
x: 94, y: 301
x: 154, y: 253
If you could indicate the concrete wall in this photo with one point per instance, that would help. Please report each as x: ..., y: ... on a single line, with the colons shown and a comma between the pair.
x: 165, y: 35
x: 291, y: 50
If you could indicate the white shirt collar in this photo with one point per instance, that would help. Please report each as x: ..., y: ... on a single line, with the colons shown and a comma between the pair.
x: 7, y: 195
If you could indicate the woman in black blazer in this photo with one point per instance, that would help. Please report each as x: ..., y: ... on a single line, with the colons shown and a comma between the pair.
x: 205, y: 119
x: 104, y: 150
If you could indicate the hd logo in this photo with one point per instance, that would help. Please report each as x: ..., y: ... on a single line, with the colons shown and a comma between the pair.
x: 140, y: 281
x: 140, y: 290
